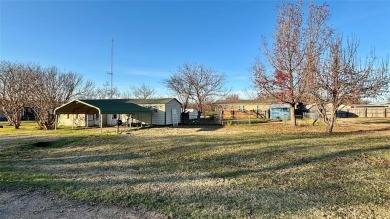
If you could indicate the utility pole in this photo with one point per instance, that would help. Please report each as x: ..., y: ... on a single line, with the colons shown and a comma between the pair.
x: 112, y: 60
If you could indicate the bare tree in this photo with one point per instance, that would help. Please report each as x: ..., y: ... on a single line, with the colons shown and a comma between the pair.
x: 179, y: 83
x: 104, y: 92
x: 197, y: 83
x: 15, y: 90
x: 86, y: 91
x: 232, y: 97
x: 52, y: 88
x: 341, y: 77
x: 207, y: 84
x: 297, y: 38
x: 143, y: 92
x: 41, y: 89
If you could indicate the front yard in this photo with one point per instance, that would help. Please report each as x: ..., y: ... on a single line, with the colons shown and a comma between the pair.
x: 261, y: 170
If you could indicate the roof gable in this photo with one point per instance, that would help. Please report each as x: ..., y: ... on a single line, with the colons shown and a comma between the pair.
x: 103, y: 106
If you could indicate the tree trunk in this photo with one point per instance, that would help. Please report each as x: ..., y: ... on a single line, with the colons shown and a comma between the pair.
x: 292, y: 116
x: 199, y: 114
x: 331, y: 122
x: 329, y: 129
x: 14, y: 119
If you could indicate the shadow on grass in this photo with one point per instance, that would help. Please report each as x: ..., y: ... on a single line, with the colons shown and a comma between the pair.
x: 299, y: 162
x: 358, y: 131
x: 163, y: 166
x: 201, y: 128
x: 155, y: 167
x: 372, y: 121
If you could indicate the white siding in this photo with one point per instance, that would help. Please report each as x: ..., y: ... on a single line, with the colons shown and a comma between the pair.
x: 79, y: 120
x: 163, y: 113
x: 143, y: 117
x: 173, y: 104
x: 67, y: 120
x: 158, y: 114
x: 110, y: 120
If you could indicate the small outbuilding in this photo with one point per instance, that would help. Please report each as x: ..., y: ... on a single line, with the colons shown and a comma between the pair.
x: 280, y: 111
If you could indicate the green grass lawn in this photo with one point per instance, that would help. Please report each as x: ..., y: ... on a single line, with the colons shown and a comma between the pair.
x: 262, y: 170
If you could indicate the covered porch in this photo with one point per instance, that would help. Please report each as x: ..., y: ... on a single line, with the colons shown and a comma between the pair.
x: 100, y: 108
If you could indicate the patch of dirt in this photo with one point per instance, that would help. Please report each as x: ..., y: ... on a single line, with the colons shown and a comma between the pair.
x: 24, y: 204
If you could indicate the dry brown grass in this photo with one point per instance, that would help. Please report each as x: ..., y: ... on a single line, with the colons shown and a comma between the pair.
x: 262, y: 170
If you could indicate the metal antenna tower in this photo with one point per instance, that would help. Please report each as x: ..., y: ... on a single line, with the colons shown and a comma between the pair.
x: 112, y: 60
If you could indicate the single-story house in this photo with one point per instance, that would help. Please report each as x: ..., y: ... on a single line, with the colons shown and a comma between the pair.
x: 27, y: 114
x: 2, y: 117
x: 106, y: 112
x: 230, y: 109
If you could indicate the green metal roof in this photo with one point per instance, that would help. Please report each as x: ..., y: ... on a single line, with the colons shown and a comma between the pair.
x: 106, y: 106
x: 151, y: 101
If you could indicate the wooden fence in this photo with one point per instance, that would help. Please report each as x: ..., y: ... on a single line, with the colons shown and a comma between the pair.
x: 365, y: 113
x: 358, y: 112
x: 244, y: 114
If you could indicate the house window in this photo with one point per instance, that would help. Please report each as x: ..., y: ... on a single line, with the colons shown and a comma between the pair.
x: 96, y: 116
x: 67, y: 116
x: 241, y: 107
x: 114, y: 116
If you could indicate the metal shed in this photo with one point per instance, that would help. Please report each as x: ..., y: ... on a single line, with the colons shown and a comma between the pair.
x: 100, y: 107
x: 280, y: 111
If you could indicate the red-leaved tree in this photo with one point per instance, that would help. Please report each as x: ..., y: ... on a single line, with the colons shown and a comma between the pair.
x: 297, y: 38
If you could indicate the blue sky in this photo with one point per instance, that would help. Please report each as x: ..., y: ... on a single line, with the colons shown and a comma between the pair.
x: 153, y: 38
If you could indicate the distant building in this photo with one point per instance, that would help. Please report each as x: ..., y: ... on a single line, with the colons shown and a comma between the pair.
x: 242, y: 109
x: 192, y: 113
x: 2, y: 117
x: 27, y: 115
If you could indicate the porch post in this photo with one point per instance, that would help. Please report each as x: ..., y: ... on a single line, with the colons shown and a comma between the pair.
x: 72, y: 120
x: 101, y: 123
x: 55, y: 122
x: 86, y: 116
